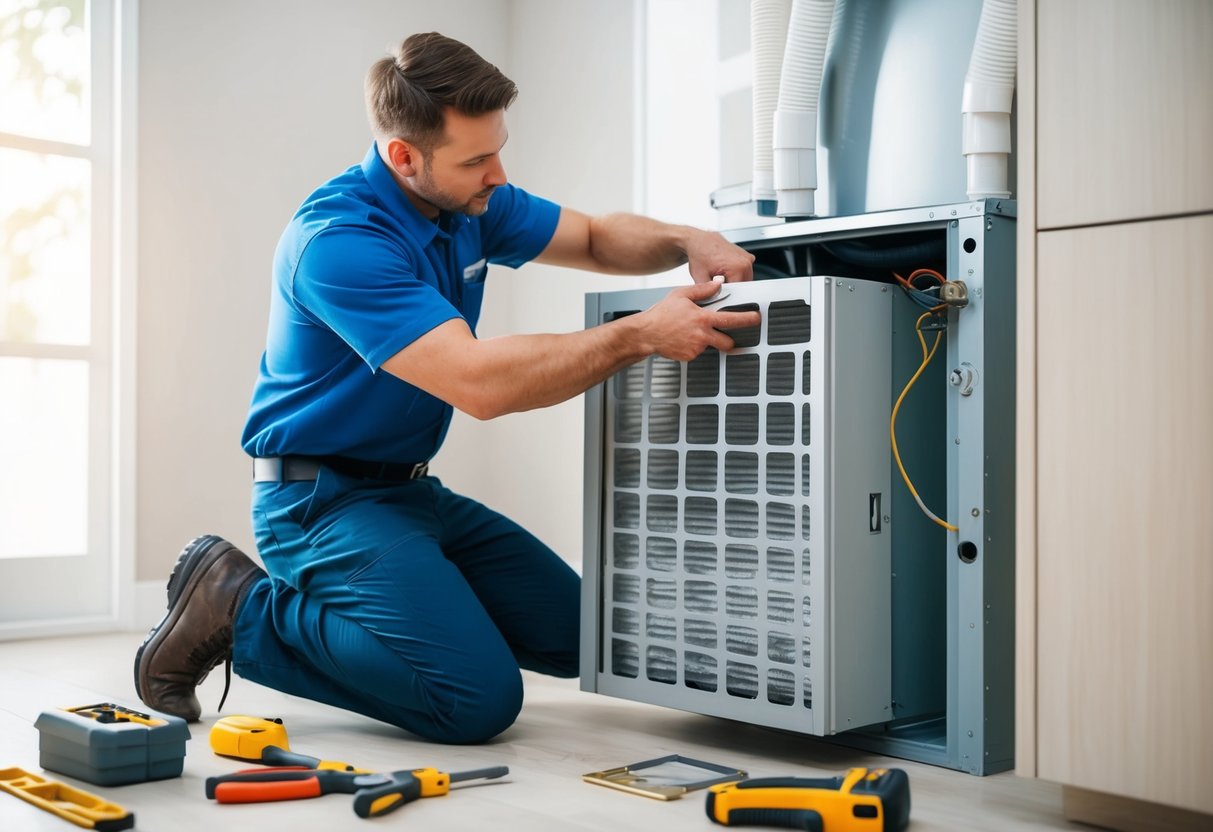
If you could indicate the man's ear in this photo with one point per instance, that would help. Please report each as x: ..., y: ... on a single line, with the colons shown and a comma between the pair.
x: 404, y: 157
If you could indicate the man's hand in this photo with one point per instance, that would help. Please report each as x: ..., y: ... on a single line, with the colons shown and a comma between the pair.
x: 709, y: 254
x: 678, y: 328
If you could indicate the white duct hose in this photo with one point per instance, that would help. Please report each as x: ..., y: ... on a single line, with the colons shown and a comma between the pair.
x: 768, y: 34
x: 986, y: 111
x: 795, y: 127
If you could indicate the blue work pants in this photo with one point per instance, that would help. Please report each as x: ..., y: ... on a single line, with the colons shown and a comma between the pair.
x: 403, y: 601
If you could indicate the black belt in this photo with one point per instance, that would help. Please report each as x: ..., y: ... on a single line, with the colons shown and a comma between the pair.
x: 304, y: 468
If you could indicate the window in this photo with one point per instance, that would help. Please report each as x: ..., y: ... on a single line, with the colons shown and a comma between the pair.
x: 56, y: 334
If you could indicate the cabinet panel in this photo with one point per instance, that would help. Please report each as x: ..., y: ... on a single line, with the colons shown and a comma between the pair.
x: 1125, y: 509
x: 1124, y: 109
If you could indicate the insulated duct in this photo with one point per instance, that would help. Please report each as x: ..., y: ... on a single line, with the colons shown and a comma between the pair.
x: 989, y: 86
x: 795, y: 127
x: 768, y: 34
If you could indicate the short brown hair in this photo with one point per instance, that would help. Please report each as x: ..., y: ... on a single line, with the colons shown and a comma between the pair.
x: 406, y: 93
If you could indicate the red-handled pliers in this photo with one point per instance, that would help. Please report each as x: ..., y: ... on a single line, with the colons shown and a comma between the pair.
x: 259, y: 785
x: 374, y: 794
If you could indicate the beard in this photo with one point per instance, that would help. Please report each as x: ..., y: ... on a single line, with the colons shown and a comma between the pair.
x: 425, y: 187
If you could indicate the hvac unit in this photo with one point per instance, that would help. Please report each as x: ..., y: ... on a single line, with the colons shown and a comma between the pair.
x: 751, y: 551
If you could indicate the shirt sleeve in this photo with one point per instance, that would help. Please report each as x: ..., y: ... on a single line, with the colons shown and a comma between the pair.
x: 517, y: 226
x: 365, y: 288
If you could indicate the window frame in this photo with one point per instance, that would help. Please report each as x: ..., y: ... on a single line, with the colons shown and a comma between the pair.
x: 110, y: 352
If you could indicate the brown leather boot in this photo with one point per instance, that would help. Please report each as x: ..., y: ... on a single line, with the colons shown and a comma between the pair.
x: 208, y: 583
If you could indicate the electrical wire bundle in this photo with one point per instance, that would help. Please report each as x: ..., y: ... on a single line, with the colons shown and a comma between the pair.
x: 929, y: 299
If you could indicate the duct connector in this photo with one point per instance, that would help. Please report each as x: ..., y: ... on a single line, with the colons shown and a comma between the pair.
x: 986, y: 108
x: 768, y: 36
x: 795, y: 125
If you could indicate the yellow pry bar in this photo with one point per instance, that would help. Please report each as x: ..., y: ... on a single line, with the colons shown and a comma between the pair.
x: 75, y: 805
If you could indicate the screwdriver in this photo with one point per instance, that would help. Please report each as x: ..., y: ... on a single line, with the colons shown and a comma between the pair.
x: 407, y: 786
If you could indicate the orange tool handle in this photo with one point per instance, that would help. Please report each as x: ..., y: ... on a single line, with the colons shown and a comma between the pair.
x: 260, y: 792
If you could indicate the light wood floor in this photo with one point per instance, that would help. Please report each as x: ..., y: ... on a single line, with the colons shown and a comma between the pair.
x: 561, y: 734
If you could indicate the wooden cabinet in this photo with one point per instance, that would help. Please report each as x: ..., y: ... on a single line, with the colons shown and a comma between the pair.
x: 1124, y: 506
x: 1124, y: 109
x: 1115, y: 412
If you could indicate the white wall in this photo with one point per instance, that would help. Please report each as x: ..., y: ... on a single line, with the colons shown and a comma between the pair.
x: 243, y: 109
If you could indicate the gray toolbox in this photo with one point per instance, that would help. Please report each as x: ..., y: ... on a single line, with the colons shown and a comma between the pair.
x: 111, y: 745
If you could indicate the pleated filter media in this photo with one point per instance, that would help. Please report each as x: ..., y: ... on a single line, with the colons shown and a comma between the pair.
x: 743, y: 563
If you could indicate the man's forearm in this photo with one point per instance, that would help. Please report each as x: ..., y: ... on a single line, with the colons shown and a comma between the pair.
x: 632, y: 244
x: 513, y: 373
x: 520, y: 372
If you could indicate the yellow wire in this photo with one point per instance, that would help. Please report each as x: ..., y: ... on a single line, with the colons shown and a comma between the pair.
x: 926, y: 359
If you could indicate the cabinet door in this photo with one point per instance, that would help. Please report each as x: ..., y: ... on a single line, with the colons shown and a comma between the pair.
x: 1125, y: 509
x: 1124, y: 109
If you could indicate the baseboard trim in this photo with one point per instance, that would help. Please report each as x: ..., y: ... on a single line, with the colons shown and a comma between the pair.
x: 1110, y: 811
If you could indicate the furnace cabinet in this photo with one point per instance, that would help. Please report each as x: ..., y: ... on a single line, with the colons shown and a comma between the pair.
x: 751, y: 549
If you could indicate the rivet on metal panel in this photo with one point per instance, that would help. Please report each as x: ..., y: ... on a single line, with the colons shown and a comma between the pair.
x: 979, y: 292
x: 931, y: 215
x: 972, y: 626
x: 953, y: 212
x: 884, y: 289
x: 976, y: 512
x: 851, y: 288
x: 970, y: 733
x: 955, y: 224
x: 957, y: 440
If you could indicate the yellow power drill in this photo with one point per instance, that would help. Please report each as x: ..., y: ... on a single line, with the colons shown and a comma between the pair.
x: 862, y: 800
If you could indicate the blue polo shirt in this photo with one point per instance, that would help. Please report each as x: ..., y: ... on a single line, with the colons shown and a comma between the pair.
x: 360, y: 274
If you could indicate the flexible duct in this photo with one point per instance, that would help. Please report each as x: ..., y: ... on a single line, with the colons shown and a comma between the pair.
x: 768, y: 34
x: 795, y: 127
x: 989, y: 86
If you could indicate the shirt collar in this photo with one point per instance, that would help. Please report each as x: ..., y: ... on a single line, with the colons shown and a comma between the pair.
x: 389, y: 192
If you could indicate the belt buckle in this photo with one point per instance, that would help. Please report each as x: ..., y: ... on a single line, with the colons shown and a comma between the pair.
x: 419, y: 470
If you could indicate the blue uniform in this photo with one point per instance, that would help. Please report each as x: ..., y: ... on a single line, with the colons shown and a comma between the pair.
x: 400, y: 600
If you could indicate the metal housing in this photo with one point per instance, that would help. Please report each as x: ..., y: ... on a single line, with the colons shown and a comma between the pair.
x: 917, y: 645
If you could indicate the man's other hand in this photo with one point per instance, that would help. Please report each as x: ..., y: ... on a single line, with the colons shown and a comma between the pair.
x: 709, y: 254
x: 678, y: 328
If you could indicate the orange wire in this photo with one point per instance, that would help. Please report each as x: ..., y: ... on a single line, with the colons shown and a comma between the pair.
x: 929, y: 273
